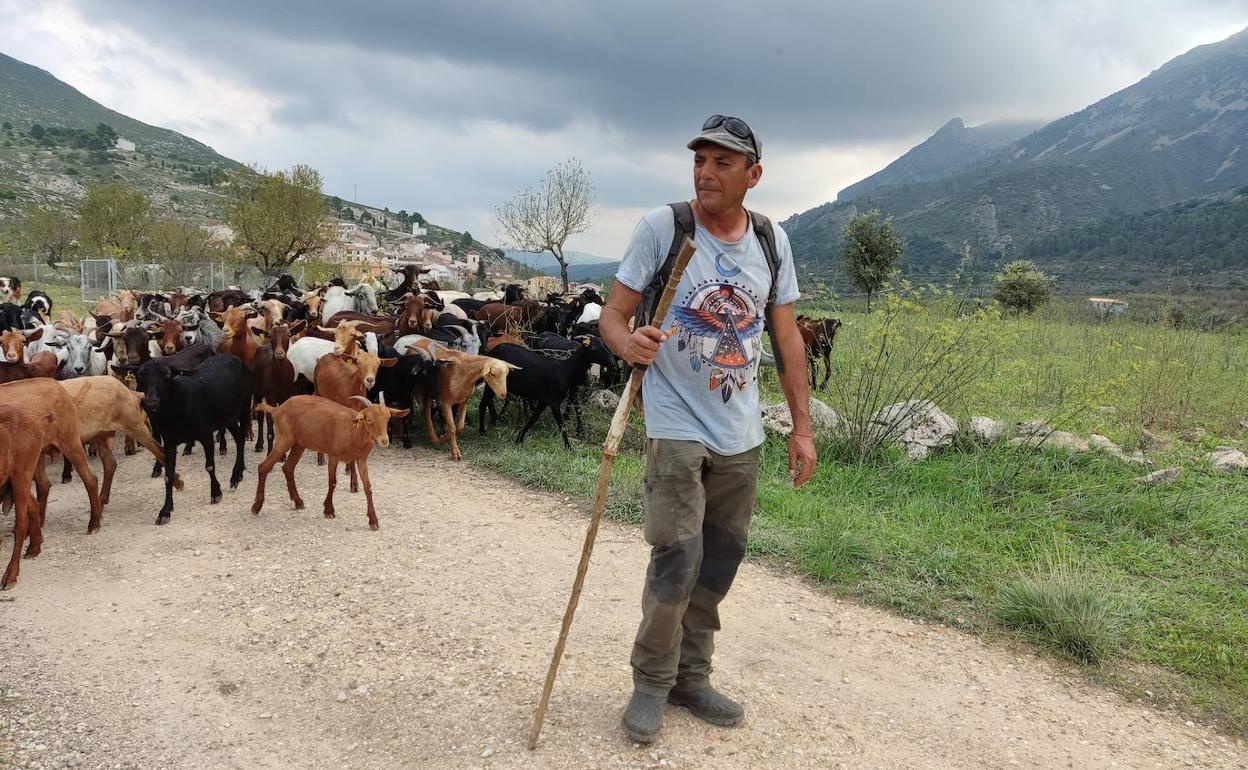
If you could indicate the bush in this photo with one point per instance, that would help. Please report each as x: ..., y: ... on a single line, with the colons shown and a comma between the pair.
x: 1022, y: 287
x: 1064, y: 611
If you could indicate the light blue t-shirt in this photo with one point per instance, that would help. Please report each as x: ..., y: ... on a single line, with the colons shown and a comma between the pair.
x: 703, y: 386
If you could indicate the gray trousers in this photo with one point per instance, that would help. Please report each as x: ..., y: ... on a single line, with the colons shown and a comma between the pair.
x: 698, y: 506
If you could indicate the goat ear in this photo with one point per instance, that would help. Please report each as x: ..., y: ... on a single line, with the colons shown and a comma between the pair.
x: 513, y: 367
x: 400, y: 412
x: 35, y: 335
x: 389, y: 361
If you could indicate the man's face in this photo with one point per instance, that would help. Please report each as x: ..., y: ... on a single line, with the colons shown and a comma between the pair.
x: 721, y: 177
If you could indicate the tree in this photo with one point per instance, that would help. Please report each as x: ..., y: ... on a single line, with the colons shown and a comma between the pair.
x: 542, y: 218
x: 7, y: 126
x: 35, y: 132
x: 872, y: 251
x: 1022, y: 287
x: 48, y: 232
x: 113, y: 219
x: 277, y: 218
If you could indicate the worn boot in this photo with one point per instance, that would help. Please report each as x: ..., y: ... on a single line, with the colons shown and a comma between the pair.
x: 643, y: 717
x: 708, y: 705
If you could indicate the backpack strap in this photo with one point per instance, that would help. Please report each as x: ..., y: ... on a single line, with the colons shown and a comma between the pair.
x: 766, y: 235
x: 682, y: 213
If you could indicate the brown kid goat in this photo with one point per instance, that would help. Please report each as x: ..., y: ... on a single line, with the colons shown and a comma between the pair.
x: 312, y: 422
x: 35, y: 414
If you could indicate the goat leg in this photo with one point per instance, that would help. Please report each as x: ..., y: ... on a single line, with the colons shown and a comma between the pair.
x: 78, y: 458
x: 288, y: 470
x: 104, y: 451
x: 333, y: 482
x: 239, y: 428
x: 368, y: 494
x: 171, y: 471
x: 20, y: 485
x: 210, y: 465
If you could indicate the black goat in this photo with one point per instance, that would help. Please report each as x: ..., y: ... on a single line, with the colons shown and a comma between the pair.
x: 545, y: 381
x: 399, y: 382
x: 187, y: 405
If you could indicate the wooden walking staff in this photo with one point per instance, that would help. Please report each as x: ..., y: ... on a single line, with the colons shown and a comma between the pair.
x: 610, y: 447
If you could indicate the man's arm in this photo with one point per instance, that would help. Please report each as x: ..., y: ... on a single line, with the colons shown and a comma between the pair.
x: 637, y: 347
x: 792, y: 351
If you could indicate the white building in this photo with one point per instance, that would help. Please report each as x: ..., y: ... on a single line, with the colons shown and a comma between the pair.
x: 417, y: 229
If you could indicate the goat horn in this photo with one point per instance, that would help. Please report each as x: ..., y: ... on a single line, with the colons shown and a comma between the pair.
x: 365, y: 400
x: 382, y: 398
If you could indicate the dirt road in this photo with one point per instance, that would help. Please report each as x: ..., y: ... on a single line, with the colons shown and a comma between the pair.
x: 286, y: 640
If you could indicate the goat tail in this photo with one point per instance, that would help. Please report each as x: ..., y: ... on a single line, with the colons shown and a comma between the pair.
x: 265, y: 408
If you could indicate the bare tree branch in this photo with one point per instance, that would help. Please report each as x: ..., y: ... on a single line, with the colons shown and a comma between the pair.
x: 542, y: 218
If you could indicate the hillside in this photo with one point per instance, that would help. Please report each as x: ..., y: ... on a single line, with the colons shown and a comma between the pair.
x: 1172, y: 136
x: 1201, y: 237
x: 55, y: 142
x: 952, y: 148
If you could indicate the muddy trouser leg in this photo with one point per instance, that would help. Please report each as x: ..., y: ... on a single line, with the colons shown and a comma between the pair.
x: 675, y: 503
x: 729, y: 481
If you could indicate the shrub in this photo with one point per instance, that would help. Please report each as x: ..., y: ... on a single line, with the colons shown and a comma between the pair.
x: 1064, y: 611
x: 1022, y: 287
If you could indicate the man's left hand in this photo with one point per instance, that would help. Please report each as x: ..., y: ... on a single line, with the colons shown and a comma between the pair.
x: 802, y: 458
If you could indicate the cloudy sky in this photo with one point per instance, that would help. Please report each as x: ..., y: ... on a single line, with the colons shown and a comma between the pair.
x: 447, y: 107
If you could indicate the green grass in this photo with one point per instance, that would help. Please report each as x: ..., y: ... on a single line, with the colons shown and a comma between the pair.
x: 1153, y: 587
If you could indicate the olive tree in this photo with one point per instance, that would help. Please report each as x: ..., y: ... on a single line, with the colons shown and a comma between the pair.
x: 1022, y: 287
x: 114, y: 220
x: 542, y: 218
x: 277, y: 218
x: 872, y: 251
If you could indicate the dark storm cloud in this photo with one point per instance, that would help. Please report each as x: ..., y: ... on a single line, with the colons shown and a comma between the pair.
x: 821, y: 73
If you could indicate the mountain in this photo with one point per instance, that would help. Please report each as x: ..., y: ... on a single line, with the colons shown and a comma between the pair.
x: 546, y: 260
x: 950, y: 149
x: 55, y: 142
x: 1175, y: 135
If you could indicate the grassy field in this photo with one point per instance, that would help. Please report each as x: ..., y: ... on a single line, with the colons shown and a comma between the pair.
x: 1147, y: 586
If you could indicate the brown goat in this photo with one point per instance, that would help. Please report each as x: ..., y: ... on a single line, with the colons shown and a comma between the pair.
x: 347, y: 337
x: 105, y: 407
x: 817, y: 336
x: 312, y: 422
x: 458, y: 376
x: 237, y: 338
x: 274, y: 379
x: 35, y: 414
x: 341, y: 379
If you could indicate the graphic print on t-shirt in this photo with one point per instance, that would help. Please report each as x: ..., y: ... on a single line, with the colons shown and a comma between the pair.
x: 718, y: 325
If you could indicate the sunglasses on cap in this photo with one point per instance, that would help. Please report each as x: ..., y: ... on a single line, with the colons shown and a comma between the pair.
x: 735, y: 126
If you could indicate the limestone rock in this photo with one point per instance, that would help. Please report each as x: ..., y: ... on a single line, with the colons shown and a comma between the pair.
x: 1028, y: 428
x: 604, y: 399
x: 823, y: 419
x: 1103, y: 444
x: 1227, y: 460
x: 986, y: 430
x: 1151, y: 442
x: 1055, y: 439
x: 1194, y: 435
x: 1163, y: 476
x: 917, y: 423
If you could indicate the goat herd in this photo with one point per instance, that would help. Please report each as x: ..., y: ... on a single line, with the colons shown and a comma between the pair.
x: 331, y: 369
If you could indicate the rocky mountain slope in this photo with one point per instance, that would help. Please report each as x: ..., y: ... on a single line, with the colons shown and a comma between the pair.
x: 952, y: 148
x: 1172, y: 136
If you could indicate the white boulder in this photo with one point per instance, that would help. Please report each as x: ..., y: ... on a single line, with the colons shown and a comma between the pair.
x: 823, y: 419
x: 1227, y: 460
x: 915, y: 424
x: 986, y: 430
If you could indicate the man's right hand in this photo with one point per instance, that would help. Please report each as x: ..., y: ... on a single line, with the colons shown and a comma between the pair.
x: 643, y: 345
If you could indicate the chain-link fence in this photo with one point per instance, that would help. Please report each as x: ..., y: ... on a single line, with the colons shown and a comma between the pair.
x: 96, y: 278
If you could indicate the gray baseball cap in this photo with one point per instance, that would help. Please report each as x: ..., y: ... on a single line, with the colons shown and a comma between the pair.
x: 731, y: 133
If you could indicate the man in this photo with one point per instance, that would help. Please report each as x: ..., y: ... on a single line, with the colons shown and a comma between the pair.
x: 703, y: 424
